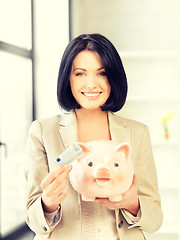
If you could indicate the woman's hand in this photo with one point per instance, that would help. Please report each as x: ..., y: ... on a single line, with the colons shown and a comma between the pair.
x: 130, y: 200
x: 55, y: 188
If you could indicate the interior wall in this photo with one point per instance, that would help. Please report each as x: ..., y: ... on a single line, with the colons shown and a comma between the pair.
x: 146, y: 34
x: 130, y: 25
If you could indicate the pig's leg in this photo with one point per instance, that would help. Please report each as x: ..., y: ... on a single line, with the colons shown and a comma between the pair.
x: 115, y: 198
x: 87, y: 198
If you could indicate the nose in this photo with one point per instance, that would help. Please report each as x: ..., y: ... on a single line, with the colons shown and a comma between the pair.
x: 90, y: 84
x: 103, y: 173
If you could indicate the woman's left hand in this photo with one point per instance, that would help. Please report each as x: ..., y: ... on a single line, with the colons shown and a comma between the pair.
x: 129, y: 201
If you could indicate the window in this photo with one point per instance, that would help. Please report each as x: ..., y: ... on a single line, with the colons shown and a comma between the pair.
x: 16, y: 80
x: 17, y: 93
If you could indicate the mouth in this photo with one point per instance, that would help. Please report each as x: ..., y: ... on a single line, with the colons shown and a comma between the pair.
x: 91, y: 95
x: 102, y: 182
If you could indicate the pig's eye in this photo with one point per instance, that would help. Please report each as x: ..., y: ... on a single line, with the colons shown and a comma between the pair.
x: 90, y: 164
x: 116, y: 164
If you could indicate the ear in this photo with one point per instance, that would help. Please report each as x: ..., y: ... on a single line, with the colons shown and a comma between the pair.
x: 124, y: 148
x: 85, y: 148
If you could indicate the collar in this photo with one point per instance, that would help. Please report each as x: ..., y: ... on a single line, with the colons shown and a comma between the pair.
x: 68, y: 128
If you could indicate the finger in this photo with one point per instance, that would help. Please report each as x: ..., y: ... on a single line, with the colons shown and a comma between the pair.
x: 63, y: 195
x: 135, y: 180
x: 112, y: 207
x: 61, y: 180
x: 65, y: 173
x: 51, y: 176
x: 55, y: 188
x: 61, y: 188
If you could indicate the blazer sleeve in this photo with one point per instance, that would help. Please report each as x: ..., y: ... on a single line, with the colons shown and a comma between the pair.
x: 150, y: 203
x: 37, y: 169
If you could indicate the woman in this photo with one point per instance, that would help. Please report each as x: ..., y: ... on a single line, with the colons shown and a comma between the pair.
x: 91, y: 86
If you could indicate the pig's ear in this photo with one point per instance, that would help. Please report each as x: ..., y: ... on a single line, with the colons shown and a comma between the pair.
x: 124, y: 148
x: 86, y: 149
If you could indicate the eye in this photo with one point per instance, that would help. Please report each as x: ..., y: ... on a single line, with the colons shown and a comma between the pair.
x: 116, y: 164
x: 102, y: 73
x: 79, y: 74
x: 90, y: 164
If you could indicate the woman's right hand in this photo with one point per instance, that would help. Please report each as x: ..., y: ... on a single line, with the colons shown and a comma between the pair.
x: 55, y: 188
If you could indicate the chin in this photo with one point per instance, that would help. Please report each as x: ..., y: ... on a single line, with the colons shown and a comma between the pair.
x: 91, y: 108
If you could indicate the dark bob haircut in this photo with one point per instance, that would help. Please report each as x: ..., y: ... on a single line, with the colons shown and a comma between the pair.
x: 111, y: 62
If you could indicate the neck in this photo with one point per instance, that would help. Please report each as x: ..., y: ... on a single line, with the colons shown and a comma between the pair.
x: 92, y: 125
x: 90, y: 115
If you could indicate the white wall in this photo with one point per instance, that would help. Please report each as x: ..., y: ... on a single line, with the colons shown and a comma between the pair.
x: 146, y: 34
x: 51, y: 38
x: 130, y: 25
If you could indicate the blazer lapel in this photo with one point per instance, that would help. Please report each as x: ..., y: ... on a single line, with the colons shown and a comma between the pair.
x: 68, y: 129
x: 118, y: 129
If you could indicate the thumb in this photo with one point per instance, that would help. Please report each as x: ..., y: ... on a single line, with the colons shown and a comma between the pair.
x: 135, y: 179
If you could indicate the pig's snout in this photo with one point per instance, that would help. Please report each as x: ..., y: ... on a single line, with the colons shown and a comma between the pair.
x: 103, y: 173
x: 103, y: 177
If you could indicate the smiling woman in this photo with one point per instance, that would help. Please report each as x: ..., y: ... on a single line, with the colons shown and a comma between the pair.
x: 103, y: 59
x: 89, y: 83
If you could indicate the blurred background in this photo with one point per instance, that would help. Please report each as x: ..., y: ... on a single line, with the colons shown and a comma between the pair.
x: 33, y: 36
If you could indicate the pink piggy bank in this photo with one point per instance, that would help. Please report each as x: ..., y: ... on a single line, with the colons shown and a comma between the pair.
x: 104, y: 171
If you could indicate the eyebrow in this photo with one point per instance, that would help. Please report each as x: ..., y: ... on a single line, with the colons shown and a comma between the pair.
x: 79, y: 69
x: 86, y: 70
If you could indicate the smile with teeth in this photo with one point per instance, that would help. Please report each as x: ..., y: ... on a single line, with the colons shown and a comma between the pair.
x: 91, y: 94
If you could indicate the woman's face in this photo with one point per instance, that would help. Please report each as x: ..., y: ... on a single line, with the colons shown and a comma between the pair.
x: 89, y: 84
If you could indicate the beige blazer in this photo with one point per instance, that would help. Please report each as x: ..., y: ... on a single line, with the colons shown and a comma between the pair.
x: 50, y: 137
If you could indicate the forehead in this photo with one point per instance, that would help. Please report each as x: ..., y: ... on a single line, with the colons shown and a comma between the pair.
x: 87, y: 58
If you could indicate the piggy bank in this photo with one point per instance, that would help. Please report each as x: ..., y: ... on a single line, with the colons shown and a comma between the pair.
x: 104, y: 171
